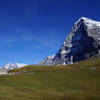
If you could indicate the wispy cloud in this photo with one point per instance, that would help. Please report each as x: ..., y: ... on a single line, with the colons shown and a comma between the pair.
x: 46, y: 39
x: 6, y: 41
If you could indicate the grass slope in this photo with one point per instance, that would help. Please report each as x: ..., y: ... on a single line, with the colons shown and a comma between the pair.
x: 80, y: 81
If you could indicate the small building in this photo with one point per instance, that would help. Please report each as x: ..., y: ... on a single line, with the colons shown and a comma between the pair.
x: 3, y: 71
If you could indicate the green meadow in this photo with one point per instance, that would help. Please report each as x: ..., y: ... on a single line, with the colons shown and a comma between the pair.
x: 80, y: 81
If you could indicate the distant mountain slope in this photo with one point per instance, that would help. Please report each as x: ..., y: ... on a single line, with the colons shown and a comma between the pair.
x: 11, y: 66
x: 82, y: 42
x: 92, y: 62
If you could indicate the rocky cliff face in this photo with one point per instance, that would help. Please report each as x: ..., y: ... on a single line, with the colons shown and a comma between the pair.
x: 82, y: 42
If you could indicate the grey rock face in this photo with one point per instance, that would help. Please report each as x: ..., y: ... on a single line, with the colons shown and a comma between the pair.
x: 47, y: 61
x: 82, y: 42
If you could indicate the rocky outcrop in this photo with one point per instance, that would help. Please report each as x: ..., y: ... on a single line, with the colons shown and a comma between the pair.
x: 82, y: 42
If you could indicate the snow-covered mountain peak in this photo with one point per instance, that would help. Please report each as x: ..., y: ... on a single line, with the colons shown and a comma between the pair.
x: 82, y: 19
x: 85, y: 18
x: 10, y: 65
x: 82, y: 42
x: 88, y: 22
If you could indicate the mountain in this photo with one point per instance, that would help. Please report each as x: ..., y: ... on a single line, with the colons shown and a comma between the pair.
x: 10, y: 66
x: 47, y: 61
x: 82, y: 42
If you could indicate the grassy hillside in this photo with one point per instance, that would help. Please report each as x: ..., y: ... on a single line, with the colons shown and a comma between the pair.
x: 80, y: 81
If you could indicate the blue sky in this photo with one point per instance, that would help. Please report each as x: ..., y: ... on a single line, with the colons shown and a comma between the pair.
x: 30, y: 30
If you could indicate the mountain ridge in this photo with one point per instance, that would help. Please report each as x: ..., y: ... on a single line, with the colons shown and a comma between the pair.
x: 11, y: 66
x: 82, y: 42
